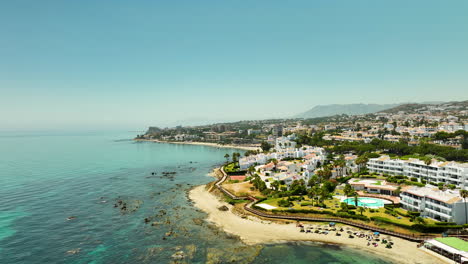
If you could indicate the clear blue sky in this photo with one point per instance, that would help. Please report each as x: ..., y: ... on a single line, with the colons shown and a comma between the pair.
x: 131, y: 64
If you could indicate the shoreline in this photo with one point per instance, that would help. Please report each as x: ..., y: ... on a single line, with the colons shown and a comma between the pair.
x: 253, y: 230
x: 216, y: 145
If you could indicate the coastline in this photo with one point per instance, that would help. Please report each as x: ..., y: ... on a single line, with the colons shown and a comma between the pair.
x: 216, y: 145
x: 252, y: 230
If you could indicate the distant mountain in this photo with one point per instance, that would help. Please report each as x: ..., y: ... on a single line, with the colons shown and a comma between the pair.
x: 413, y: 107
x: 349, y: 109
x: 404, y: 108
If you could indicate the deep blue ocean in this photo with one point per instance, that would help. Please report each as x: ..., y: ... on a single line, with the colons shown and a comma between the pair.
x: 46, y: 178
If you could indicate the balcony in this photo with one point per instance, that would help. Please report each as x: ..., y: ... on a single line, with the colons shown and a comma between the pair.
x: 442, y: 214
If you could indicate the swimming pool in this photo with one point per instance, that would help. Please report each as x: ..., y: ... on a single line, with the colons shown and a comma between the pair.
x: 367, y: 202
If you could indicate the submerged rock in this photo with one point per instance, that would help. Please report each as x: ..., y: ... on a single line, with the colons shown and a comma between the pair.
x: 178, y: 255
x: 73, y: 251
x: 198, y: 221
x: 190, y: 251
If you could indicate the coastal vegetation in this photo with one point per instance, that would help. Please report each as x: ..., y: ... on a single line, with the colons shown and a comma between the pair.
x: 400, y: 148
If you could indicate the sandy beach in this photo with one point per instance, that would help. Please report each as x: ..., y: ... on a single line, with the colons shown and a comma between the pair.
x: 203, y: 144
x: 253, y: 230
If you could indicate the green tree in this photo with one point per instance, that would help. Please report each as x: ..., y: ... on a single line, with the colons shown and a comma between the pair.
x: 275, y: 185
x: 356, y: 198
x: 464, y: 194
x: 313, y: 181
x: 348, y: 190
x: 361, y: 209
x: 344, y: 207
x: 227, y: 157
x: 397, y: 191
x: 265, y: 146
x: 420, y: 220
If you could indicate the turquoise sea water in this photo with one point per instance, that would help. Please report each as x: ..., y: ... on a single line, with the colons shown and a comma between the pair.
x: 47, y: 177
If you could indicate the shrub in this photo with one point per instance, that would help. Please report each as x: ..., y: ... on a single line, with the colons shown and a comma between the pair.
x: 359, y: 217
x: 284, y: 203
x: 389, y: 206
x: 424, y: 228
x: 414, y: 179
x: 445, y: 223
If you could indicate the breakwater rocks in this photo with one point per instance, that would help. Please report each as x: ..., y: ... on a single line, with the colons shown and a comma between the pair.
x: 128, y: 206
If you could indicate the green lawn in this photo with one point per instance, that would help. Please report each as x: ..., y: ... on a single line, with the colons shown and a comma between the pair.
x: 334, y: 206
x: 231, y: 167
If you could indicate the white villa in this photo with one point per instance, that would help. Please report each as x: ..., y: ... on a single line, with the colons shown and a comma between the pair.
x: 285, y: 170
x: 445, y: 206
x: 260, y: 159
x: 445, y: 172
x: 284, y: 143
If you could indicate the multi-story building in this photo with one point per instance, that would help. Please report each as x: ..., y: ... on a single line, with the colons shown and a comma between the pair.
x: 283, y: 143
x: 438, y: 172
x: 260, y: 159
x: 445, y: 206
x: 373, y: 186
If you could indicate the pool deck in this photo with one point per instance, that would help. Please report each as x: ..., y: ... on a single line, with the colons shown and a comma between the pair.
x: 394, y: 199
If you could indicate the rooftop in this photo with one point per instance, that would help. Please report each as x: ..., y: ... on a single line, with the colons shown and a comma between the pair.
x: 436, y: 194
x: 454, y: 242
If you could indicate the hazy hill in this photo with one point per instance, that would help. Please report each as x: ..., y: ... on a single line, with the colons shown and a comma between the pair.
x: 349, y: 109
x: 413, y: 108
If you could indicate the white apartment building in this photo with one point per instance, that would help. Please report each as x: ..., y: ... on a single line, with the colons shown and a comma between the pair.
x: 260, y: 159
x: 446, y: 206
x: 438, y: 172
x: 284, y: 143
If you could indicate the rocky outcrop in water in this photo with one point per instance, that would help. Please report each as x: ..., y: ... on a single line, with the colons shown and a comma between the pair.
x: 129, y: 206
x: 73, y: 251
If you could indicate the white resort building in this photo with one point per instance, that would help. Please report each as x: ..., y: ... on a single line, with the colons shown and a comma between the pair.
x: 439, y: 172
x: 260, y: 159
x: 373, y: 186
x: 307, y: 160
x: 445, y: 206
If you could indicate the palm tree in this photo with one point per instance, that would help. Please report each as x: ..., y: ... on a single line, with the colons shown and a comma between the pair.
x: 323, y: 194
x: 355, y: 194
x: 427, y: 161
x: 360, y: 161
x: 311, y: 193
x: 227, y: 157
x: 344, y: 207
x: 348, y: 190
x: 361, y: 209
x: 464, y: 194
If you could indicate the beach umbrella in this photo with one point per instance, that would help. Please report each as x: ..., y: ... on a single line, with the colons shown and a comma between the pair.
x: 376, y: 233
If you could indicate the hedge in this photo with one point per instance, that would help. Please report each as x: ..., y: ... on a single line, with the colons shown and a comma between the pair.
x: 346, y: 215
x: 445, y: 223
x: 432, y: 228
x: 236, y: 173
x: 303, y: 211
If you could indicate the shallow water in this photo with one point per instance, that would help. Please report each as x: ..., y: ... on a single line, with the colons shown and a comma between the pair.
x: 46, y: 178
